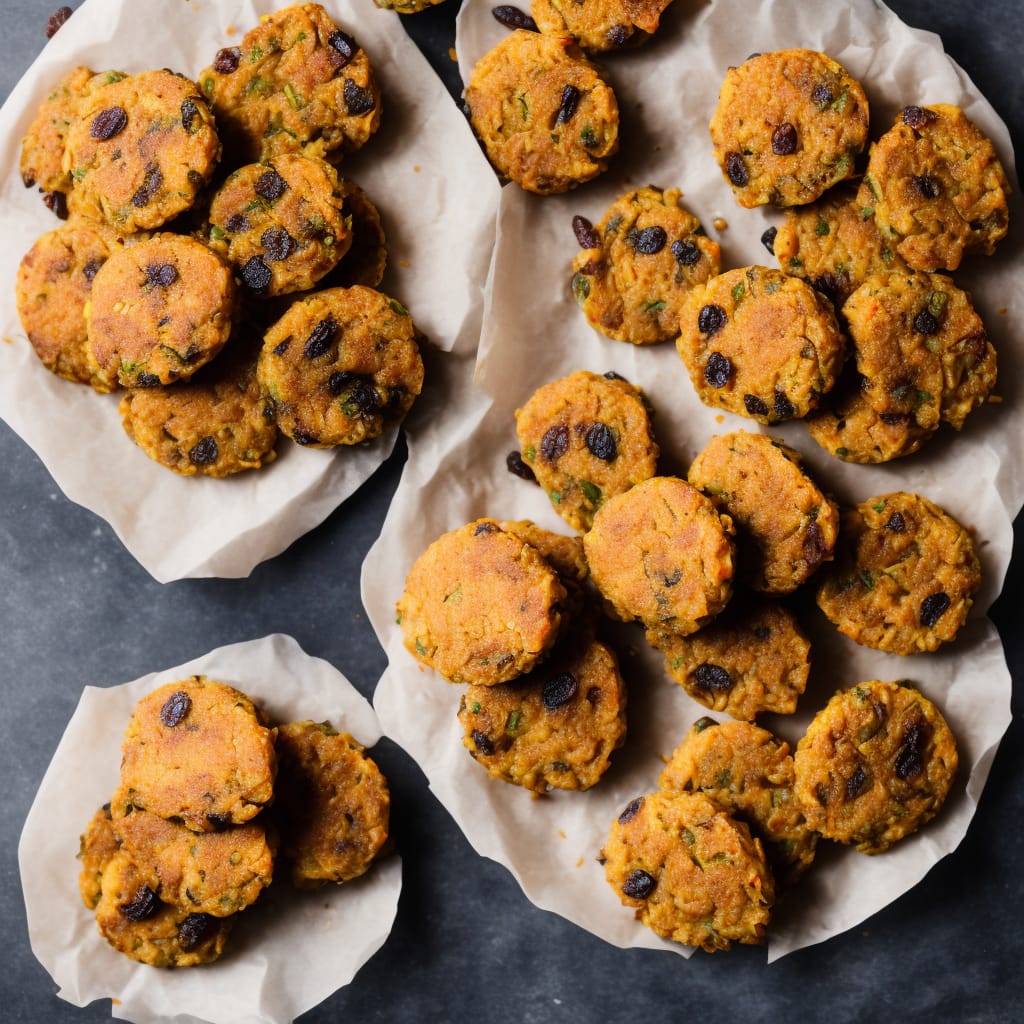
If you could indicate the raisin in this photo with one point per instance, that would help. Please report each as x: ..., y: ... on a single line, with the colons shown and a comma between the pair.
x: 189, y: 110
x: 784, y: 139
x: 647, y: 241
x: 814, y: 545
x: 896, y: 523
x: 932, y: 608
x: 339, y: 380
x: 277, y: 244
x: 617, y: 35
x: 151, y: 182
x: 515, y: 465
x: 736, y: 169
x: 304, y: 437
x: 237, y: 223
x: 108, y: 123
x: 585, y: 233
x: 754, y: 405
x: 485, y: 528
x: 829, y: 284
x: 822, y: 94
x: 142, y: 905
x: 917, y: 117
x: 195, y: 929
x: 513, y: 17
x: 320, y: 338
x: 483, y: 743
x: 147, y: 380
x: 784, y: 408
x: 204, y: 451
x: 175, y: 708
x: 855, y: 783
x: 925, y: 186
x: 925, y: 322
x: 227, y: 60
x: 910, y: 758
x: 560, y: 690
x: 686, y: 252
x: 57, y: 204
x: 357, y: 99
x: 365, y: 397
x: 717, y: 370
x: 612, y: 375
x: 282, y: 347
x: 256, y: 275
x: 630, y: 810
x: 601, y: 442
x: 343, y: 45
x: 555, y: 442
x: 92, y: 265
x: 893, y: 419
x: 56, y: 20
x: 566, y: 109
x: 270, y: 186
x: 639, y: 885
x: 711, y: 319
x: 218, y: 821
x: 762, y: 632
x: 713, y: 677
x: 768, y: 239
x: 161, y: 275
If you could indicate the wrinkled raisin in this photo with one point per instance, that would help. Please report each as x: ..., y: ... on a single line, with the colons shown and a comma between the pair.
x: 814, y: 545
x: 932, y: 608
x: 617, y: 35
x: 717, y: 370
x: 151, y: 182
x: 357, y: 99
x: 555, y: 442
x: 142, y: 905
x: 713, y: 677
x: 925, y: 186
x: 768, y: 239
x: 227, y: 60
x: 917, y: 117
x: 364, y: 397
x: 647, y: 241
x: 601, y: 442
x: 237, y: 223
x: 256, y: 275
x: 277, y: 244
x: 754, y: 405
x: 784, y: 409
x: 612, y: 375
x: 784, y: 139
x: 304, y: 437
x: 855, y: 783
x: 686, y: 252
x: 320, y: 338
x: 343, y: 45
x: 925, y: 322
x: 559, y: 690
x: 517, y: 467
x: 175, y: 708
x: 711, y: 319
x: 567, y: 107
x: 204, y: 451
x: 483, y: 743
x: 822, y: 94
x: 339, y: 380
x: 147, y: 380
x: 910, y: 758
x: 585, y: 233
x: 56, y: 20
x: 736, y: 169
x: 195, y: 929
x: 92, y: 265
x: 485, y: 528
x: 513, y: 17
x: 57, y: 204
x: 639, y: 884
x: 896, y: 523
x: 270, y: 186
x: 630, y: 810
x: 161, y: 275
x: 188, y: 114
x: 108, y: 123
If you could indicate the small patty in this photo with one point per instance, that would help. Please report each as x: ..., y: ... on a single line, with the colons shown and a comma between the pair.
x: 333, y: 803
x: 638, y: 263
x: 141, y: 151
x: 785, y: 526
x: 159, y: 310
x: 753, y: 658
x: 904, y: 576
x: 875, y: 764
x: 367, y: 257
x: 693, y: 873
x: 749, y: 772
x: 340, y: 366
x: 544, y: 113
x: 760, y: 344
x: 661, y: 553
x: 586, y: 437
x: 600, y: 25
x: 295, y: 82
x: 96, y: 847
x: 788, y: 125
x: 937, y: 187
x: 481, y: 605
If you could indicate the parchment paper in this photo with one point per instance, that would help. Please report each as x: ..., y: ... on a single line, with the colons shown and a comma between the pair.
x: 533, y: 333
x: 287, y: 952
x: 419, y: 168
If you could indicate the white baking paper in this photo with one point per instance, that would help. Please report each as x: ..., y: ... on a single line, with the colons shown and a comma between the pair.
x: 286, y: 953
x: 533, y: 333
x: 437, y: 199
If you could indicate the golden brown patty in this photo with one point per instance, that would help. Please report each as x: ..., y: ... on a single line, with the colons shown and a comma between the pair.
x: 600, y: 25
x: 367, y: 257
x: 96, y: 847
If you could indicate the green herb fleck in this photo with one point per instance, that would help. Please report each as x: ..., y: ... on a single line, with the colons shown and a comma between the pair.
x: 216, y: 233
x: 512, y: 722
x: 867, y: 579
x: 255, y: 54
x: 723, y: 780
x: 655, y: 307
x: 880, y: 507
x: 703, y: 723
x: 580, y: 287
x: 821, y: 228
x: 397, y: 307
x: 591, y: 492
x: 795, y: 262
x: 530, y: 454
x: 420, y: 649
x: 842, y: 452
x: 295, y: 101
x: 524, y: 108
x: 475, y: 706
x: 937, y: 302
x: 737, y: 292
x: 587, y: 137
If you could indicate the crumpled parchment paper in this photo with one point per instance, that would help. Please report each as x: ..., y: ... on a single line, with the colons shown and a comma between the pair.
x: 533, y: 333
x: 286, y: 953
x: 437, y: 199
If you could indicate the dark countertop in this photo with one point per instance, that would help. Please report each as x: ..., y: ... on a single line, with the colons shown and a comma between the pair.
x: 76, y: 609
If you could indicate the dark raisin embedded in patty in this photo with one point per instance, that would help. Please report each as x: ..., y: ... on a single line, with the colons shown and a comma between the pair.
x: 270, y: 185
x: 147, y: 380
x: 277, y: 244
x: 717, y: 370
x: 483, y: 743
x: 925, y: 186
x: 784, y: 139
x: 363, y: 398
x: 152, y: 181
x: 339, y: 380
x: 814, y: 546
x: 204, y: 452
x: 896, y: 523
x: 926, y: 323
x: 227, y: 60
x: 92, y: 265
x: 855, y: 783
x: 784, y: 408
x: 57, y: 204
x: 141, y: 906
x: 910, y: 758
x: 630, y: 810
x: 108, y: 123
x: 175, y: 708
x: 555, y: 442
x: 237, y: 223
x: 736, y: 169
x: 320, y: 338
x: 768, y: 238
x: 344, y: 47
x: 617, y: 35
x: 932, y: 608
x: 485, y: 528
x: 513, y: 17
x: 585, y: 233
x: 754, y: 405
x: 713, y: 677
x: 161, y: 275
x: 189, y: 110
x: 917, y: 117
x: 711, y: 319
x: 196, y: 928
x: 357, y: 99
x: 517, y: 467
x: 639, y: 884
x: 256, y: 275
x: 567, y: 106
x: 648, y: 241
x: 686, y: 252
x: 601, y: 442
x: 822, y: 94
x: 559, y: 690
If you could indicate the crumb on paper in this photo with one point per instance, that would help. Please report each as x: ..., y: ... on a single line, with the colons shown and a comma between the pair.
x: 580, y: 861
x: 452, y: 55
x: 1002, y: 311
x: 719, y: 418
x: 416, y: 168
x: 719, y: 223
x: 405, y: 264
x: 561, y: 834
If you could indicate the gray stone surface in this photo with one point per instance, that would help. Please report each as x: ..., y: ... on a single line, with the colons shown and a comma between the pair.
x: 467, y: 945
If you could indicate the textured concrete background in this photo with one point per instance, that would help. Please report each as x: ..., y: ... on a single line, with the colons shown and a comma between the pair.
x: 467, y: 946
